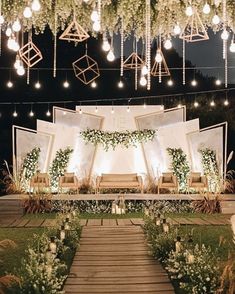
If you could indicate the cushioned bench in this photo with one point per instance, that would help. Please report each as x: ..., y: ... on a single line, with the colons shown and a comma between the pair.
x: 116, y: 181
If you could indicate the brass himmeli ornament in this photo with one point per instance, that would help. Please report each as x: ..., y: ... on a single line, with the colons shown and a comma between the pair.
x: 30, y: 54
x: 86, y: 69
x: 160, y: 68
x: 74, y: 32
x: 133, y: 61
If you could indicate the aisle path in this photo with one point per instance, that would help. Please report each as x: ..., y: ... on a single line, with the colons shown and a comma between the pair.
x: 115, y: 259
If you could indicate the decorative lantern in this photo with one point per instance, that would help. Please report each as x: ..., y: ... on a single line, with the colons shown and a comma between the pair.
x: 133, y: 62
x: 160, y: 67
x: 30, y: 54
x: 74, y: 32
x: 52, y: 245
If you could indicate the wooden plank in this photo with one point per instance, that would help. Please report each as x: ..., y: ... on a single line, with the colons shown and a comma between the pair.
x: 198, y: 221
x: 94, y: 222
x: 109, y: 222
x: 49, y: 223
x: 83, y: 222
x: 34, y: 223
x: 137, y: 221
x: 7, y: 222
x: 16, y: 222
x: 183, y: 221
x: 22, y: 223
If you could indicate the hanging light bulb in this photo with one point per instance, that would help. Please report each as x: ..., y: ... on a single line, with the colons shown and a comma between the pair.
x: 177, y: 29
x: 161, y: 107
x: 128, y: 109
x: 120, y: 84
x: 194, y: 83
x: 106, y: 46
x: 9, y: 84
x: 96, y: 109
x: 15, y: 46
x: 218, y: 82
x: 112, y: 110
x: 144, y: 105
x: 20, y: 71
x: 232, y: 47
x: 31, y: 114
x: 158, y: 56
x: 37, y: 85
x: 1, y: 19
x: 16, y: 25
x: 48, y: 113
x: 10, y: 43
x: 36, y: 6
x: 144, y: 70
x: 27, y: 12
x: 179, y: 105
x: 94, y: 84
x: 168, y: 44
x: 80, y: 110
x: 143, y: 81
x: 66, y: 84
x: 15, y: 114
x: 225, y: 35
x: 17, y: 62
x: 226, y: 102
x: 170, y: 83
x: 8, y: 31
x: 206, y: 8
x: 189, y: 11
x: 215, y: 19
x: 96, y: 26
x: 196, y: 104
x: 110, y: 56
x: 94, y: 16
x: 212, y: 103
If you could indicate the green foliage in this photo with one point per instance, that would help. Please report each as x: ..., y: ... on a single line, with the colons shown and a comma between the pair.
x: 59, y: 165
x: 30, y: 163
x: 210, y: 169
x: 113, y: 139
x: 180, y: 166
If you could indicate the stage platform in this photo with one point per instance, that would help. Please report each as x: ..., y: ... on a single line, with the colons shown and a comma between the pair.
x: 131, y: 196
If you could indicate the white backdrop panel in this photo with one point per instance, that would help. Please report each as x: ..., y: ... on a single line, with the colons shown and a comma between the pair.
x: 210, y: 138
x: 26, y: 141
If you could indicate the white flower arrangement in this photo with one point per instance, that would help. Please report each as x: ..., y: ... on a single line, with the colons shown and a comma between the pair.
x: 113, y: 139
x: 30, y: 163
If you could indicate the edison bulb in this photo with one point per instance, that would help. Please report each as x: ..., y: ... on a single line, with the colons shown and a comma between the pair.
x: 218, y: 82
x: 168, y: 44
x: 9, y: 84
x: 15, y: 114
x: 1, y: 19
x: 20, y: 71
x: 194, y: 83
x: 106, y: 46
x: 196, y: 104
x: 206, y: 8
x: 96, y: 26
x: 8, y: 32
x: 16, y: 26
x: 94, y: 84
x: 144, y: 70
x: 31, y: 114
x: 232, y: 47
x: 226, y: 103
x: 10, y: 43
x: 66, y: 84
x: 120, y: 84
x: 225, y: 35
x: 143, y: 81
x: 15, y: 46
x: 177, y: 29
x: 170, y: 83
x: 158, y: 57
x: 215, y: 19
x: 27, y: 12
x: 110, y: 55
x: 48, y: 113
x: 212, y: 103
x: 94, y: 16
x: 36, y: 6
x: 189, y: 11
x: 179, y: 105
x: 161, y: 107
x: 37, y: 85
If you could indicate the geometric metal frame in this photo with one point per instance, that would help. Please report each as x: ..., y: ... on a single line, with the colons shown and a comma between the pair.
x: 162, y: 70
x: 133, y: 61
x: 30, y: 54
x: 74, y: 32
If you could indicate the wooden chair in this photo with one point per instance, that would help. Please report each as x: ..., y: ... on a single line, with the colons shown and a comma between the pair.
x: 69, y: 181
x: 197, y: 181
x: 167, y: 181
x: 39, y: 182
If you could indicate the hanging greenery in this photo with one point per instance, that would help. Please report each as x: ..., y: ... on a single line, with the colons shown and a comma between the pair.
x: 180, y: 166
x: 113, y: 139
x: 210, y: 169
x: 164, y: 15
x: 30, y: 163
x: 59, y: 165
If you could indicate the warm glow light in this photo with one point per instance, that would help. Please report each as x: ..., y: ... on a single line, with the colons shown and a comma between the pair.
x: 226, y: 102
x: 212, y: 103
x: 66, y: 84
x: 106, y: 46
x: 194, y: 83
x: 144, y: 70
x: 16, y: 25
x: 170, y: 83
x: 31, y: 114
x: 36, y: 6
x: 27, y: 12
x: 80, y: 110
x: 196, y: 104
x: 177, y: 29
x: 1, y: 19
x: 10, y: 43
x: 232, y: 47
x: 15, y: 46
x: 15, y: 114
x: 96, y: 26
x: 158, y: 57
x: 168, y: 44
x: 179, y: 105
x: 218, y: 82
x: 110, y: 56
x: 94, y: 16
x: 215, y: 19
x: 120, y: 84
x: 17, y: 62
x: 20, y: 71
x: 48, y: 113
x: 112, y: 110
x: 94, y: 84
x: 9, y: 84
x: 128, y: 109
x: 64, y: 112
x: 189, y: 11
x: 206, y: 8
x: 225, y: 35
x: 143, y: 81
x: 8, y: 32
x: 37, y: 85
x: 96, y: 109
x: 144, y: 105
x: 161, y: 107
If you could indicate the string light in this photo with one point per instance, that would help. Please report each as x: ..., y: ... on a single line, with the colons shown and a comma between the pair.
x: 143, y: 81
x: 215, y: 19
x: 15, y: 114
x: 93, y: 84
x: 48, y: 113
x: 27, y: 12
x: 161, y: 107
x: 96, y: 109
x: 218, y: 82
x: 31, y: 113
x: 111, y: 56
x: 144, y: 70
x: 189, y: 11
x: 179, y: 105
x: 8, y: 31
x: 36, y: 6
x: 1, y: 19
x: 65, y: 84
x: 16, y: 25
x: 232, y: 46
x: 106, y: 45
x: 226, y: 102
x: 170, y: 83
x: 206, y: 8
x: 158, y: 56
x: 120, y: 84
x: 177, y: 29
x: 96, y: 26
x: 95, y: 16
x: 37, y: 85
x: 212, y: 103
x: 168, y: 44
x: 9, y: 84
x: 194, y: 83
x: 196, y: 104
x: 20, y: 70
x: 225, y: 35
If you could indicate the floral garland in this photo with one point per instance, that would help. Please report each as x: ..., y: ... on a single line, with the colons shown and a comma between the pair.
x: 180, y: 166
x: 164, y: 14
x: 113, y: 139
x: 30, y: 163
x: 59, y: 165
x: 210, y: 168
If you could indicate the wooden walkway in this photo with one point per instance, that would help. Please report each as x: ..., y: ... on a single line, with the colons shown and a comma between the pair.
x: 115, y: 259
